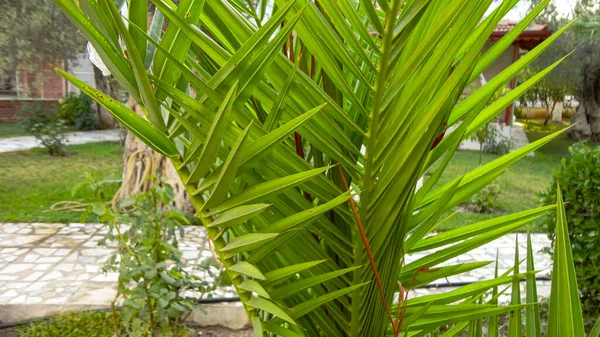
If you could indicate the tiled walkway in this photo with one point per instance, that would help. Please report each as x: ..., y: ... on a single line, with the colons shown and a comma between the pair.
x: 73, y: 138
x: 62, y: 263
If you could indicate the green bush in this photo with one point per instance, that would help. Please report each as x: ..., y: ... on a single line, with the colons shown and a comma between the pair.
x: 46, y: 126
x: 579, y: 180
x: 73, y: 324
x: 76, y: 109
x: 158, y: 287
x: 485, y: 200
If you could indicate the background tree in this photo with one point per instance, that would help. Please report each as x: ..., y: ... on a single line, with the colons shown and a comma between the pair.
x: 579, y: 75
x: 35, y: 33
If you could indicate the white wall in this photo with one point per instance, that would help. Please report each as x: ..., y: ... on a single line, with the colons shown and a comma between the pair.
x: 83, y: 70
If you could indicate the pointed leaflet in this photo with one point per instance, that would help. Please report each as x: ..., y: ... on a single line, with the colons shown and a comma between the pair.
x: 445, y: 254
x: 255, y: 287
x: 461, y: 233
x: 228, y: 172
x: 310, y: 305
x: 238, y: 215
x: 247, y: 242
x: 302, y: 284
x: 158, y: 20
x: 493, y: 167
x: 145, y: 131
x: 270, y: 307
x: 515, y: 324
x: 247, y: 269
x: 279, y: 275
x: 296, y: 221
x: 175, y: 41
x: 264, y: 190
x: 596, y: 329
x: 532, y: 311
x: 139, y: 71
x: 564, y: 318
x: 493, y: 320
x: 276, y: 110
x: 254, y: 150
x: 113, y: 58
x: 279, y: 330
x: 420, y: 278
x: 205, y: 155
x: 138, y: 15
x: 463, y: 292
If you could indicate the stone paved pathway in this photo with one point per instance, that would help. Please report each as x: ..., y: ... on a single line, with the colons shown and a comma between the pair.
x: 73, y: 138
x: 61, y: 263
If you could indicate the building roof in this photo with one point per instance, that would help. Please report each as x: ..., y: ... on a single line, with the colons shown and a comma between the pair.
x: 533, y: 35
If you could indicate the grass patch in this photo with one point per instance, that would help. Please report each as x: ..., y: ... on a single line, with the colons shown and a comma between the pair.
x: 8, y: 130
x: 32, y: 181
x: 73, y: 324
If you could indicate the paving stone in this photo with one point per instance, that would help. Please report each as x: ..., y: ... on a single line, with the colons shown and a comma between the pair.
x: 53, y: 275
x: 33, y: 276
x: 21, y: 240
x: 31, y: 257
x: 8, y: 277
x: 42, y: 266
x: 49, y: 259
x: 11, y: 293
x: 16, y: 268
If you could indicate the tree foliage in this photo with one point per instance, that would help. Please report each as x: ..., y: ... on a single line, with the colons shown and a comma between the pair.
x: 34, y: 33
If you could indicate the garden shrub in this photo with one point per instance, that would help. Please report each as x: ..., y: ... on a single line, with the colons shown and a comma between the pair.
x: 579, y: 180
x: 44, y: 125
x: 485, y: 200
x: 77, y: 110
x: 159, y: 289
x: 497, y: 144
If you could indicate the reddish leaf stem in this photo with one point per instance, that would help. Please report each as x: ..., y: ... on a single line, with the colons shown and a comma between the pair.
x: 365, y: 240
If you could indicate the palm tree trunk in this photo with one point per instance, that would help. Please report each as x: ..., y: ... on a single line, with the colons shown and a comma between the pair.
x: 141, y: 163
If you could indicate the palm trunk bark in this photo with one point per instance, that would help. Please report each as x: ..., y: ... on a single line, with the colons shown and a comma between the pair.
x: 140, y: 163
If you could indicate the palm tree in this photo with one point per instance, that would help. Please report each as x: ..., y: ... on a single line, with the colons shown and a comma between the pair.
x: 300, y: 130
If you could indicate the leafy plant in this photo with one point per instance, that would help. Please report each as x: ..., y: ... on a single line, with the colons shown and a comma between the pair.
x: 498, y: 144
x: 485, y: 200
x: 158, y: 287
x: 77, y: 110
x: 31, y: 114
x: 579, y: 179
x: 45, y: 126
x: 302, y: 165
x: 51, y: 136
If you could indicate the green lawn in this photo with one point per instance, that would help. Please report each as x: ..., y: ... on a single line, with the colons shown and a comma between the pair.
x: 521, y: 181
x: 32, y: 181
x: 11, y: 130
